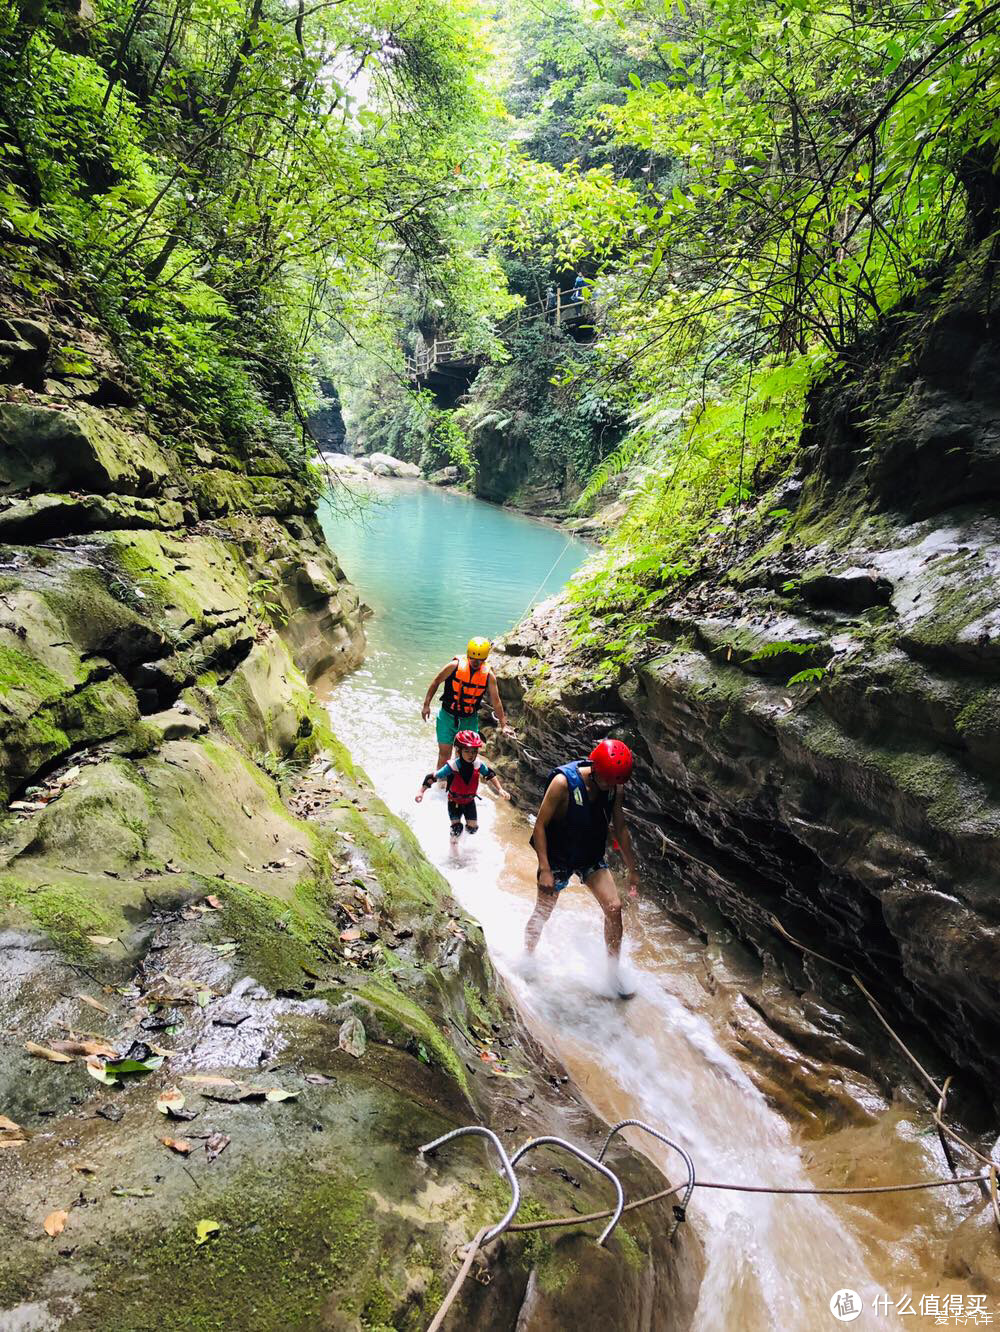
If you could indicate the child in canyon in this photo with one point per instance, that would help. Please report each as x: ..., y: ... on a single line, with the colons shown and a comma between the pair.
x: 462, y: 775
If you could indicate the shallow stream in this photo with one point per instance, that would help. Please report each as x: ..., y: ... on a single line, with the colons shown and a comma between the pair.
x: 688, y: 1053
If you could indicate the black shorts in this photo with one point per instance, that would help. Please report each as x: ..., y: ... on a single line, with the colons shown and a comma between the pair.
x: 456, y: 810
x: 561, y: 875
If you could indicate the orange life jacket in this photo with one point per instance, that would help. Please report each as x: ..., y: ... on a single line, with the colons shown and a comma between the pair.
x: 464, y: 688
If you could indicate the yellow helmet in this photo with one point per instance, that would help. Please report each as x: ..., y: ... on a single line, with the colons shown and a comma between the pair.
x: 478, y: 649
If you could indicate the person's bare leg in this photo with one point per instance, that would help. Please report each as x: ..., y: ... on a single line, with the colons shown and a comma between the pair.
x: 602, y: 885
x: 444, y: 754
x: 544, y: 906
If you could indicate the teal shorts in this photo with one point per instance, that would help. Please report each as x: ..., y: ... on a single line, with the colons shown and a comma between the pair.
x: 448, y: 726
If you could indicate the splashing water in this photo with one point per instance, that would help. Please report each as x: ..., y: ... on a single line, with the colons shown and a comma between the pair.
x: 771, y: 1262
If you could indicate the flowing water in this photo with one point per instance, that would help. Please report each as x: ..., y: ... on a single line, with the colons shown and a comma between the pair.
x: 437, y: 568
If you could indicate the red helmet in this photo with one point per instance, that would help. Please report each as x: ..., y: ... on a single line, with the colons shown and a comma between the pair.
x: 612, y: 762
x: 468, y: 740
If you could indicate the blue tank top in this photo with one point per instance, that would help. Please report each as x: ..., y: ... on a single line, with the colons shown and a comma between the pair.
x: 580, y: 838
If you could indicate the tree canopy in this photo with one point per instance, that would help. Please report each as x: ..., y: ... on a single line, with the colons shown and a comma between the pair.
x: 256, y: 192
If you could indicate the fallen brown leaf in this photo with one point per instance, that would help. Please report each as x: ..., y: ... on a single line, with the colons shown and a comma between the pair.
x: 208, y: 1080
x: 55, y: 1223
x: 216, y: 1145
x: 177, y: 1145
x: 42, y: 1052
x: 84, y: 1048
x: 11, y: 1134
x: 94, y: 1003
x: 350, y: 935
x: 100, y: 939
x: 85, y: 1168
x: 171, y: 1099
x: 214, y: 902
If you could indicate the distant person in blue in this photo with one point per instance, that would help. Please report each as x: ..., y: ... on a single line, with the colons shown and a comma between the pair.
x: 550, y: 304
x: 582, y: 803
x: 579, y: 284
x: 462, y: 775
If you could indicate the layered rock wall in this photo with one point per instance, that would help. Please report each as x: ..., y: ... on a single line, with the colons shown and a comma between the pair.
x: 861, y: 805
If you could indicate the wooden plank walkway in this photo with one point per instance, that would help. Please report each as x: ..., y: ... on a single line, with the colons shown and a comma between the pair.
x: 444, y: 354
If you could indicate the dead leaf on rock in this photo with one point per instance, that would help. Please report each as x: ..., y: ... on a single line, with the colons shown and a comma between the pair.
x: 84, y: 1048
x: 162, y: 1051
x: 214, y: 902
x: 11, y: 1134
x: 352, y: 1037
x: 216, y: 1145
x: 209, y: 1080
x: 171, y: 1099
x: 101, y: 940
x: 318, y: 1079
x: 350, y: 935
x: 55, y: 1223
x: 279, y: 1094
x: 94, y: 1003
x: 42, y: 1052
x: 178, y: 1145
x: 84, y: 1167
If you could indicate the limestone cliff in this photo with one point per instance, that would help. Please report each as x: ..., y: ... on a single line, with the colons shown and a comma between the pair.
x: 860, y: 806
x: 194, y: 875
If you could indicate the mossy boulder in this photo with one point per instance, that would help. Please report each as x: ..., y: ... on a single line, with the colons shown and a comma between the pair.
x: 50, y: 449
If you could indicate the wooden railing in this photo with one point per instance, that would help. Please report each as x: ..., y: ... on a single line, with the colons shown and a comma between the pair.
x: 565, y: 308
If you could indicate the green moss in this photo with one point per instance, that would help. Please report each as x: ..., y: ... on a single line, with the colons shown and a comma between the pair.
x: 91, y: 614
x: 387, y: 999
x: 960, y: 599
x: 556, y: 1270
x: 484, y: 1011
x: 980, y: 717
x: 185, y: 576
x: 289, y: 1237
x: 278, y: 940
x: 20, y: 673
x: 929, y: 778
x: 629, y: 1248
x: 340, y: 756
x: 378, y: 1309
x: 394, y: 855
x: 66, y: 911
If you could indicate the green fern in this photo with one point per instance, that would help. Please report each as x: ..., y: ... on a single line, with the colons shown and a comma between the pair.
x: 779, y: 650
x: 812, y: 675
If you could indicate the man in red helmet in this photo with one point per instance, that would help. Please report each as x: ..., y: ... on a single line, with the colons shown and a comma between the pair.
x: 582, y: 801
